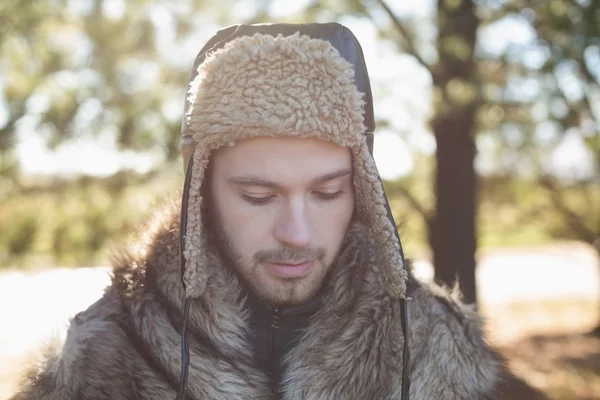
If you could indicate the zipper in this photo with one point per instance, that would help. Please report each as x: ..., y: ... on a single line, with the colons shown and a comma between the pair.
x: 275, y: 318
x: 273, y: 360
x: 273, y: 331
x: 270, y: 343
x: 270, y: 334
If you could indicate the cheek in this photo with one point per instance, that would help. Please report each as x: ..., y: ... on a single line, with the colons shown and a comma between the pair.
x: 331, y: 223
x: 247, y: 227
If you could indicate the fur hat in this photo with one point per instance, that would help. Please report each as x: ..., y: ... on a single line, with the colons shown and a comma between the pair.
x: 264, y: 84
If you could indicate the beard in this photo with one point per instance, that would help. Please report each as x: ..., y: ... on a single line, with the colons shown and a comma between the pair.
x: 253, y: 271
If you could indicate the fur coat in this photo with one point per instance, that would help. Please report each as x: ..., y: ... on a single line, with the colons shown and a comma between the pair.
x: 127, y: 344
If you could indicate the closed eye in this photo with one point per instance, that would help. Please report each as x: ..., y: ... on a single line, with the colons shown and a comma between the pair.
x: 263, y: 200
x: 329, y: 196
x: 258, y: 201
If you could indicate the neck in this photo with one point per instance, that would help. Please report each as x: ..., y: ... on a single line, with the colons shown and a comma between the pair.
x: 255, y: 303
x: 275, y: 329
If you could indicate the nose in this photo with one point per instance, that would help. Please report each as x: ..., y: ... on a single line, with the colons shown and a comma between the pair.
x: 293, y: 227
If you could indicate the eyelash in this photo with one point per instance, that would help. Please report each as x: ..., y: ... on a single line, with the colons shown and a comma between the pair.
x: 261, y: 201
x: 257, y: 201
x: 329, y: 196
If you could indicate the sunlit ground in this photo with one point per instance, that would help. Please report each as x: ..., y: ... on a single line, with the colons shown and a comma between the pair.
x: 537, y: 302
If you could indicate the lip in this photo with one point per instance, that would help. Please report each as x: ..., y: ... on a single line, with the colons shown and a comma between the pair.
x: 298, y: 270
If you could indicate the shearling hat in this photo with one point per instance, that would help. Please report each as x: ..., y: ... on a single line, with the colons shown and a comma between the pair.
x: 307, y: 81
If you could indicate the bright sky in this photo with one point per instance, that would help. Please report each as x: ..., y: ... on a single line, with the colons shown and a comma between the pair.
x: 401, y: 89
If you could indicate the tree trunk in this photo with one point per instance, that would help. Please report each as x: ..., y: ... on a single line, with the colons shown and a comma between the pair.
x: 453, y: 236
x: 454, y: 240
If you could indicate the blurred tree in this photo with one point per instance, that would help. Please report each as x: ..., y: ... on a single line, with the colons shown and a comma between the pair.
x: 451, y: 225
x: 457, y: 87
x: 103, y: 70
x: 18, y: 237
x: 525, y: 99
x: 551, y: 101
x: 111, y: 72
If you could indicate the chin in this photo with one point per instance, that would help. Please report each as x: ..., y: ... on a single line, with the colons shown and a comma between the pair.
x: 281, y: 302
x: 289, y: 293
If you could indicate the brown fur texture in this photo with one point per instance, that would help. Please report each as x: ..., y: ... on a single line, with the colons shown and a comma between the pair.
x: 127, y: 345
x: 262, y: 85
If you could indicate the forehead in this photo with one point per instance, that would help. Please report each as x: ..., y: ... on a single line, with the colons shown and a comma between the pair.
x: 282, y: 157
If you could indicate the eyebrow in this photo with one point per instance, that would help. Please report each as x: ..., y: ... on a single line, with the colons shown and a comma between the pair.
x: 251, y: 180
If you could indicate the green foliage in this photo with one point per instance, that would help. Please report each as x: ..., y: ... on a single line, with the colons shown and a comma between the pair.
x: 527, y: 99
x: 73, y: 70
x: 513, y: 212
x: 559, y: 66
x: 81, y: 223
x: 77, y: 223
x: 94, y: 68
x: 18, y: 234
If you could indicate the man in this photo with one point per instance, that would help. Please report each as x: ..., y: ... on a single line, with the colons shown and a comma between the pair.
x: 282, y: 277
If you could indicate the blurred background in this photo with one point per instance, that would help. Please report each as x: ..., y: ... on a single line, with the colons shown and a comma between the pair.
x: 488, y: 141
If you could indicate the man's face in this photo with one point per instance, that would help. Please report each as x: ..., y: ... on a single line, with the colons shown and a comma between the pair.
x: 281, y: 208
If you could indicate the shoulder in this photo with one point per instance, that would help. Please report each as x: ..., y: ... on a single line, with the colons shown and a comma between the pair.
x: 87, y: 357
x: 450, y: 356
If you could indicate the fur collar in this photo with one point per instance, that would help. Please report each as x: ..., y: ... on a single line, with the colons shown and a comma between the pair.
x: 352, y: 348
x: 357, y: 326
